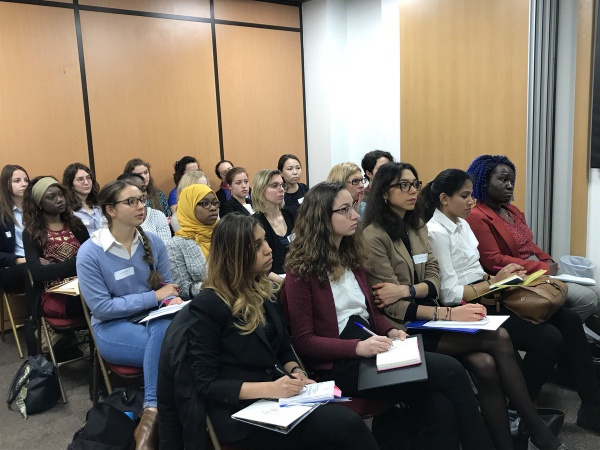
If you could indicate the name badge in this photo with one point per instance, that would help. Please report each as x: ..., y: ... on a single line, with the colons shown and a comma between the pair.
x: 120, y: 274
x: 8, y: 234
x: 420, y: 259
x: 300, y: 200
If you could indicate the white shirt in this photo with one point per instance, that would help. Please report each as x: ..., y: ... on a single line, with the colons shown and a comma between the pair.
x: 155, y: 223
x: 19, y: 250
x: 348, y: 298
x: 91, y: 221
x: 455, y: 247
x: 104, y: 238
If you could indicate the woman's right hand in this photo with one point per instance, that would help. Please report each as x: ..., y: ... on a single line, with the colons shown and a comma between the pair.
x: 285, y: 387
x: 372, y: 346
x: 471, y: 312
x: 168, y: 290
x: 508, y: 271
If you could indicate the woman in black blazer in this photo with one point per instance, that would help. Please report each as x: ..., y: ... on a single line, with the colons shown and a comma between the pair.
x: 237, y: 337
x: 239, y: 186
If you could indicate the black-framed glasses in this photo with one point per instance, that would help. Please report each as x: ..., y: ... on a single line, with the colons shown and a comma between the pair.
x: 346, y: 210
x: 133, y: 201
x: 206, y: 204
x: 357, y: 181
x: 278, y: 185
x: 406, y: 185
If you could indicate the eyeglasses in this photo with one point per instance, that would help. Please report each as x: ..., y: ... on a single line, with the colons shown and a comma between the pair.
x: 133, y: 201
x: 207, y: 204
x: 357, y: 181
x: 347, y: 210
x: 406, y: 185
x: 277, y: 186
x: 82, y: 179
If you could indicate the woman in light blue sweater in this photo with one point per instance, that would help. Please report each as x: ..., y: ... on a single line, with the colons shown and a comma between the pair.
x: 122, y: 272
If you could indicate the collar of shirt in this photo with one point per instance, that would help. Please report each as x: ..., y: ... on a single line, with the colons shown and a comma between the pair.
x: 443, y: 220
x: 104, y: 238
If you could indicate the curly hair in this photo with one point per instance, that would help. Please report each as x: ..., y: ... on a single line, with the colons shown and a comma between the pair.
x: 69, y: 178
x: 448, y: 182
x: 231, y: 271
x: 482, y: 168
x: 34, y: 221
x: 379, y: 212
x: 6, y: 193
x: 369, y: 161
x: 313, y: 250
x: 179, y: 167
x: 151, y: 189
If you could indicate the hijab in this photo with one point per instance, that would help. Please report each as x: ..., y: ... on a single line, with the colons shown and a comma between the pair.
x: 191, y: 228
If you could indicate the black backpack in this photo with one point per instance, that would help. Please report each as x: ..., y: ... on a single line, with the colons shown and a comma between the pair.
x: 110, y: 424
x: 37, y: 380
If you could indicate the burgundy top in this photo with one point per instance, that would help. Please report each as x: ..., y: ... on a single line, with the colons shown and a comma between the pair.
x: 60, y: 246
x: 522, y: 234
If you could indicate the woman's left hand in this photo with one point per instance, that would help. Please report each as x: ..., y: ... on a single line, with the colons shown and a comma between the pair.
x: 397, y: 334
x: 388, y: 293
x: 175, y: 301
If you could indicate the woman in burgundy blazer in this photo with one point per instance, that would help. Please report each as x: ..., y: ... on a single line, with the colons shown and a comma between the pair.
x: 326, y: 290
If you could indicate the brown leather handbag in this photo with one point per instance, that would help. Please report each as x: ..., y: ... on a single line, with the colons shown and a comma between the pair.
x: 537, y: 301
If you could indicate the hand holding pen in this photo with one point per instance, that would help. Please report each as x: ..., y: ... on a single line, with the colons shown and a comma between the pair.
x: 372, y: 346
x: 287, y: 385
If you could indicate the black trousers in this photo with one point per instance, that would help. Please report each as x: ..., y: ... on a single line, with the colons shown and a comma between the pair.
x: 14, y: 279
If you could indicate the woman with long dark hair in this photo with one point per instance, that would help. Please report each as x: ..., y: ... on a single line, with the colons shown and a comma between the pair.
x: 181, y: 166
x: 155, y: 197
x: 404, y: 274
x: 83, y: 199
x: 238, y: 336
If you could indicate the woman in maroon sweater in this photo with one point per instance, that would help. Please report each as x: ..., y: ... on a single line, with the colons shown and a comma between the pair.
x: 327, y: 290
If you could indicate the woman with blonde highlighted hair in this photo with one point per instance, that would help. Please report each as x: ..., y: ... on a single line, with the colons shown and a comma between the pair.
x: 352, y: 177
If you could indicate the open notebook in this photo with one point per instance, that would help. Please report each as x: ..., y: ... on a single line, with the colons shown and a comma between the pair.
x: 513, y: 281
x: 70, y: 287
x: 401, y: 354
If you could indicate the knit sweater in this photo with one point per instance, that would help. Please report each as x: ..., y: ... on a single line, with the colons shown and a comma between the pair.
x: 114, y: 287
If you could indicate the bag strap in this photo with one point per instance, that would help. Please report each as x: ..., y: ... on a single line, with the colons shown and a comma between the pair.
x: 16, y: 385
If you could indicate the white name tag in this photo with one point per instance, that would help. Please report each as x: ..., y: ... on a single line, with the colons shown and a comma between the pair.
x: 8, y: 235
x: 300, y: 200
x: 420, y: 259
x: 120, y: 274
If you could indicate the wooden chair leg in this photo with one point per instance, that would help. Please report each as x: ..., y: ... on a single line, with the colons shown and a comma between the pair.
x: 2, y: 317
x: 53, y: 358
x: 105, y: 375
x: 12, y: 324
x: 213, y: 435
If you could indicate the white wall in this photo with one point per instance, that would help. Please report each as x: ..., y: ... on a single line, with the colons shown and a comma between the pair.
x: 352, y: 80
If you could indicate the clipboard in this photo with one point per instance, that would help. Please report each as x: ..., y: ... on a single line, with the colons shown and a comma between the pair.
x: 369, y: 378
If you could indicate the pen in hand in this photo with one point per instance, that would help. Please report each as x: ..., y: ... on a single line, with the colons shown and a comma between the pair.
x: 359, y: 325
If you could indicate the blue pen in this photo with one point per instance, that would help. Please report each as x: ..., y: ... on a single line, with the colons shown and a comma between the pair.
x: 364, y: 328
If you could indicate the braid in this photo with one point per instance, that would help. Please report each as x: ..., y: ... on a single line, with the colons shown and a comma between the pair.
x: 154, y: 279
x: 480, y: 170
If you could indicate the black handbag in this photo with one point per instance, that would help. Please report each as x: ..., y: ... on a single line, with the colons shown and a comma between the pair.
x: 552, y: 418
x: 35, y: 386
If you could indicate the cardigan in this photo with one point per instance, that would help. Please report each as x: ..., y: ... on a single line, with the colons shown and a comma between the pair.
x: 279, y: 251
x: 390, y: 262
x: 311, y: 312
x: 497, y: 247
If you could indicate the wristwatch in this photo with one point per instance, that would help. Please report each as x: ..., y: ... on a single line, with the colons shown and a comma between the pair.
x: 412, y: 292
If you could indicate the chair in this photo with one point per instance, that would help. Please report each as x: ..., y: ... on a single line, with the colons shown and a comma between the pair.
x: 6, y: 304
x: 215, y: 441
x: 126, y: 372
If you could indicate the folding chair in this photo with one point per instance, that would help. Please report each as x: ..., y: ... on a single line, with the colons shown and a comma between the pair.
x: 6, y: 304
x: 215, y: 440
x: 105, y: 366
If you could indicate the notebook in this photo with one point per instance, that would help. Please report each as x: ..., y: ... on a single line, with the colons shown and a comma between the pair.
x: 401, y: 354
x: 268, y: 414
x: 512, y: 281
x: 68, y: 288
x: 323, y: 392
x: 164, y: 311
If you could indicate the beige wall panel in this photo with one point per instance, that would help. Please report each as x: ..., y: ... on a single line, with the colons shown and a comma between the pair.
x: 195, y: 8
x: 257, y: 12
x: 581, y: 132
x: 42, y: 124
x: 260, y: 78
x: 463, y: 68
x: 152, y: 93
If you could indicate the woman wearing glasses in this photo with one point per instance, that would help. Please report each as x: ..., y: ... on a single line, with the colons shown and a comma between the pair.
x: 352, y: 177
x: 84, y: 189
x: 405, y: 279
x: 197, y: 213
x: 122, y: 272
x: 267, y: 201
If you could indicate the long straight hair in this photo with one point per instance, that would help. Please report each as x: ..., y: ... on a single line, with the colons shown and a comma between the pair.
x: 231, y: 271
x: 6, y: 194
x: 151, y: 189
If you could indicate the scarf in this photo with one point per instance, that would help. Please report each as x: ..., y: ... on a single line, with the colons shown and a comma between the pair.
x: 190, y: 227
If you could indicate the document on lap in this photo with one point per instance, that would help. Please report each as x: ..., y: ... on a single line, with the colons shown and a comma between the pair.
x: 401, y: 354
x: 323, y: 392
x: 268, y: 414
x: 166, y: 311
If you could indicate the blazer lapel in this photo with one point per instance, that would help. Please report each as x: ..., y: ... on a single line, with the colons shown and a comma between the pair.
x: 260, y: 333
x: 405, y: 255
x: 500, y: 228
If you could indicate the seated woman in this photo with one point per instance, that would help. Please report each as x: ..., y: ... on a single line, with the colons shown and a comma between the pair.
x: 155, y: 198
x: 269, y: 191
x: 83, y: 199
x: 405, y: 277
x: 371, y: 163
x: 237, y: 336
x: 13, y: 270
x: 182, y: 166
x: 291, y: 171
x: 52, y: 238
x: 122, y: 272
x: 154, y: 222
x: 221, y: 169
x: 504, y: 236
x: 188, y: 178
x: 197, y: 212
x: 352, y: 177
x: 327, y: 291
x: 240, y: 202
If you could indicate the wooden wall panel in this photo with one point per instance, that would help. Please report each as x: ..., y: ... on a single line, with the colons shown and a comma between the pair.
x: 463, y: 69
x: 194, y: 8
x: 42, y: 124
x: 152, y: 93
x: 581, y: 131
x: 260, y: 78
x: 257, y: 12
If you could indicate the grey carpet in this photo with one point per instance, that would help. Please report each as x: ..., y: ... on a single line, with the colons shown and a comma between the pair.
x: 53, y: 430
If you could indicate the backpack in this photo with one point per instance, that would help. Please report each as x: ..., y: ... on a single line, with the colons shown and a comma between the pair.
x: 110, y: 424
x: 35, y: 386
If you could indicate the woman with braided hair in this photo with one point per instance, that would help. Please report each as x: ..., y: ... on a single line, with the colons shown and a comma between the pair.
x: 122, y: 272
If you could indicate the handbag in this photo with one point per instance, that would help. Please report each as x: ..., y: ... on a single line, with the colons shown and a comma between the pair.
x: 35, y: 386
x: 536, y: 302
x: 552, y: 418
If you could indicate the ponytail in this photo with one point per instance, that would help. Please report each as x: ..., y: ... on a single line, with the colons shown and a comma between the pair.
x: 428, y: 203
x: 448, y: 182
x: 154, y: 279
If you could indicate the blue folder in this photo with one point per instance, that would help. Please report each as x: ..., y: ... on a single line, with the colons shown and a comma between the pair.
x: 419, y: 325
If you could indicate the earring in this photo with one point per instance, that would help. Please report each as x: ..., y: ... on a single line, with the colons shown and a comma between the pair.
x: 445, y: 203
x: 385, y: 200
